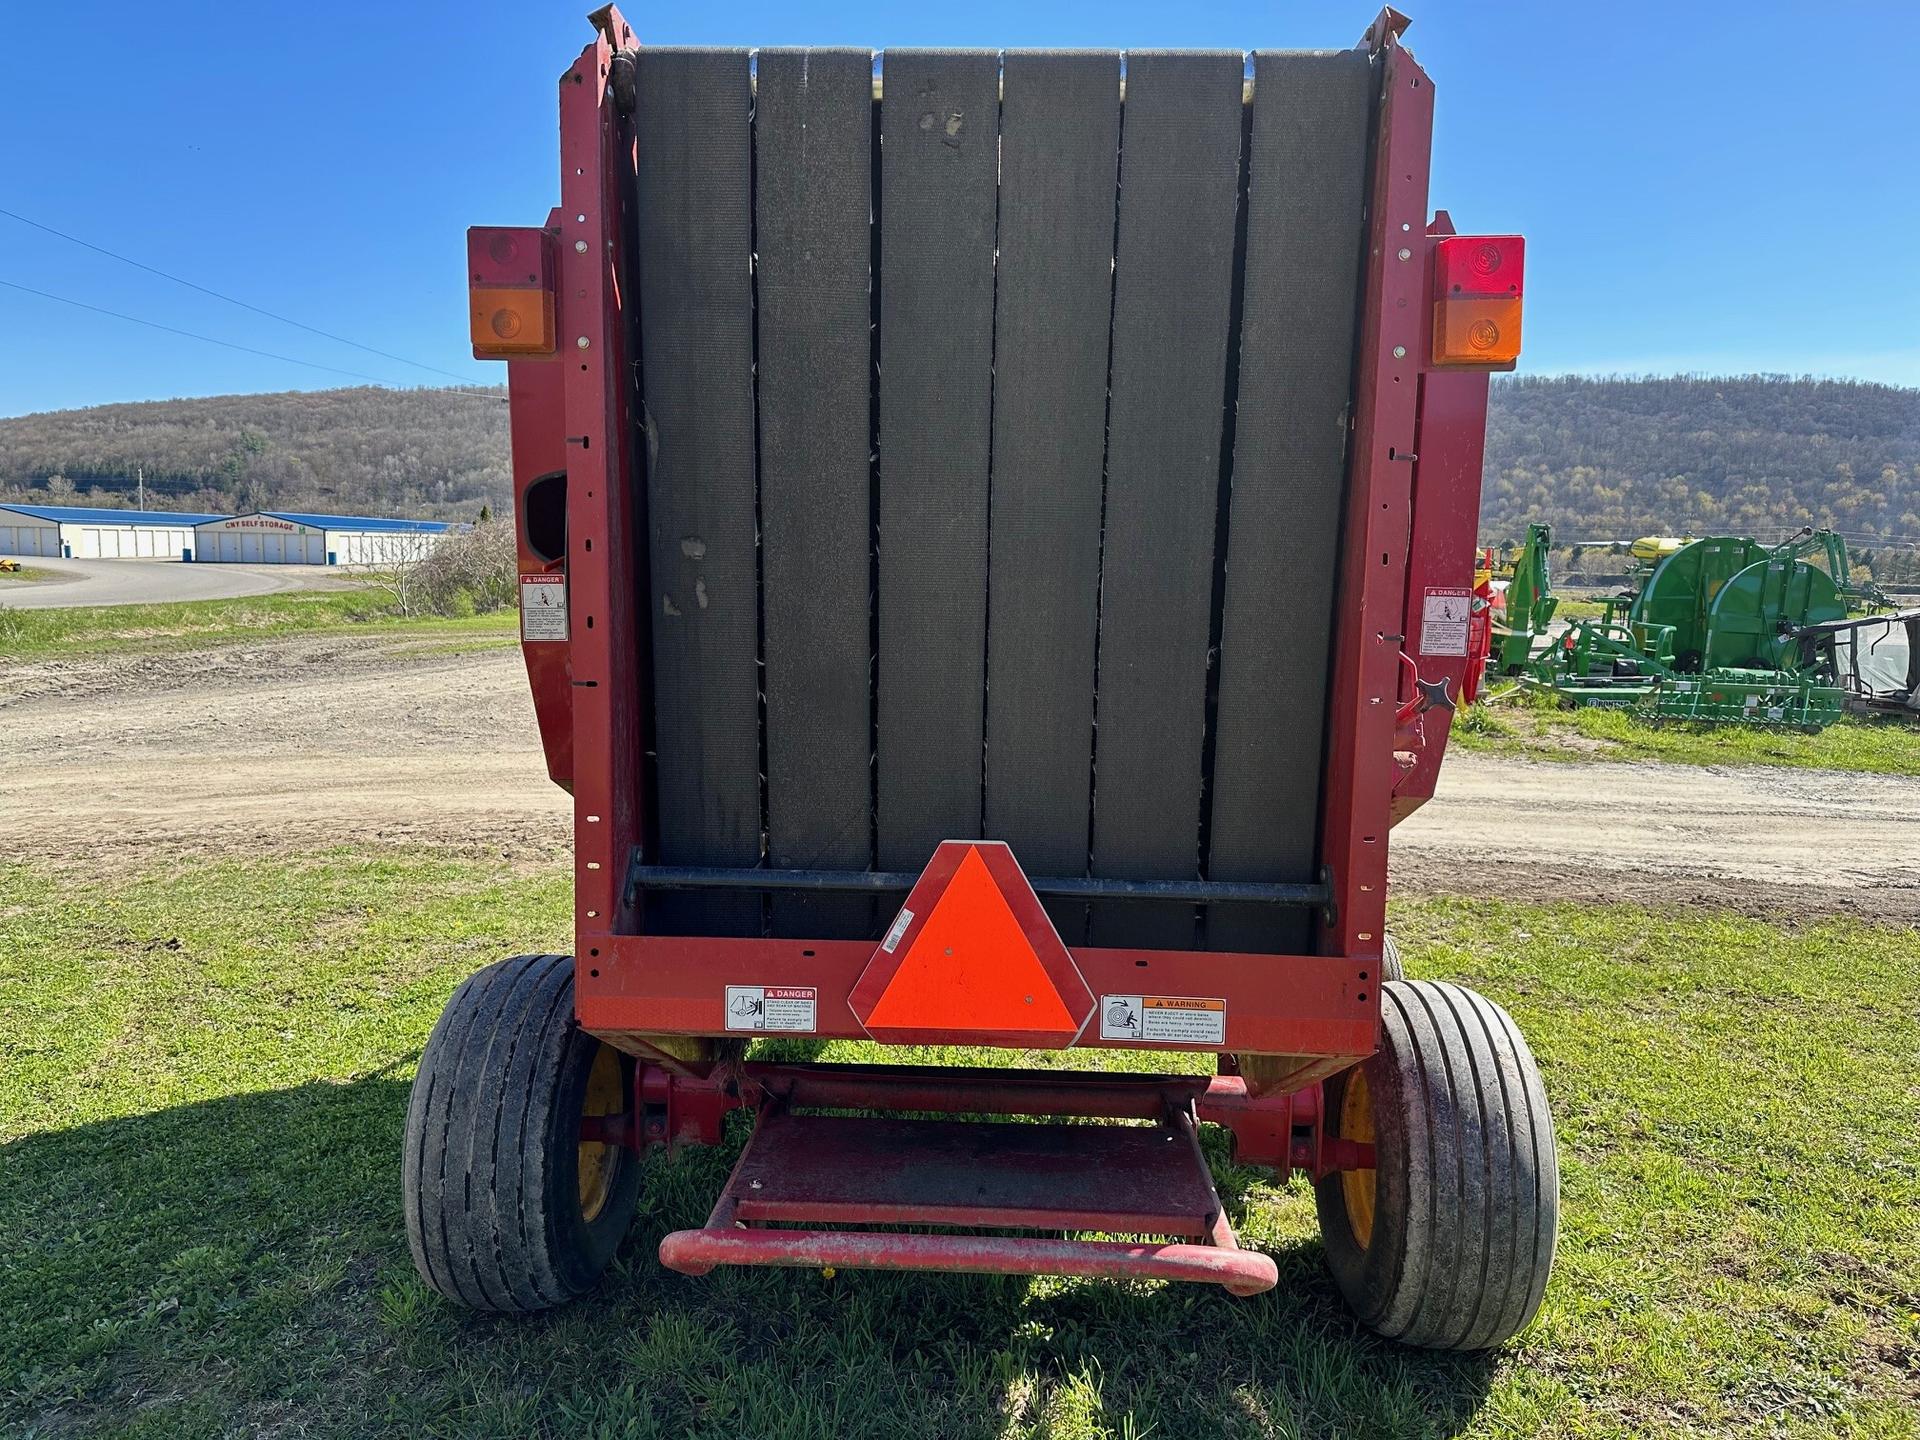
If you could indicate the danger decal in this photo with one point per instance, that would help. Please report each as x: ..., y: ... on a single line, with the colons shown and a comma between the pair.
x: 792, y: 1009
x: 1443, y: 620
x: 543, y: 607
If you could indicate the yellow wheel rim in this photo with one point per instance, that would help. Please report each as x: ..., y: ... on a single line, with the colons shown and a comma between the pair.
x: 606, y: 1095
x: 1356, y: 1123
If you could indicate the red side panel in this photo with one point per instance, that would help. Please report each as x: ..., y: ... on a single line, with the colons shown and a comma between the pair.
x: 596, y: 171
x: 1446, y: 520
x: 538, y: 395
x: 1355, y: 814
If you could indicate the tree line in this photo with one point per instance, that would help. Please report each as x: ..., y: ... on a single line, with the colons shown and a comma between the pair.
x: 1601, y: 459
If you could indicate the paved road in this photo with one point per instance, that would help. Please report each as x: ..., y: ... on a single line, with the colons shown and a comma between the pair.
x: 147, y: 582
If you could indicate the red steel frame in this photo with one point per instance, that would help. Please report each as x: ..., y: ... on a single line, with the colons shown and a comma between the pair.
x: 1413, y: 494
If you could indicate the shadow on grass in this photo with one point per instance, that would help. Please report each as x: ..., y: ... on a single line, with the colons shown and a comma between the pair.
x: 241, y: 1263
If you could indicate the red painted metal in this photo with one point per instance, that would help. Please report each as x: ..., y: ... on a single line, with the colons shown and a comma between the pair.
x: 835, y: 1170
x: 842, y: 1170
x: 536, y: 390
x: 1319, y: 1005
x: 1356, y: 811
x: 1451, y: 444
x: 596, y: 169
x: 696, y: 1252
x: 972, y: 958
x: 1275, y: 1129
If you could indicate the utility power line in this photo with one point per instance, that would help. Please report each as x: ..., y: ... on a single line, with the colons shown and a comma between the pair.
x: 233, y: 345
x: 218, y: 295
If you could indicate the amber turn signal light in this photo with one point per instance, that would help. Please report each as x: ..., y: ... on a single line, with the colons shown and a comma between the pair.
x: 1476, y: 332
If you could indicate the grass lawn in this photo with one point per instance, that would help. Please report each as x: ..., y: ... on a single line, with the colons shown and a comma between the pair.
x: 25, y: 574
x: 1531, y: 726
x: 1569, y: 609
x: 194, y: 624
x: 203, y: 1078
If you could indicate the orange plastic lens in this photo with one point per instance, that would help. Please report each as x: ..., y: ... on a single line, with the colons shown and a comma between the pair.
x: 1476, y: 331
x: 508, y: 322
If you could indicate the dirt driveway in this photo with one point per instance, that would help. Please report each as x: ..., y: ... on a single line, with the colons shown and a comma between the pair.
x: 305, y: 742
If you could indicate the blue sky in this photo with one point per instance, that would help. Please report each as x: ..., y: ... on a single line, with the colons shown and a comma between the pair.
x: 1704, y: 187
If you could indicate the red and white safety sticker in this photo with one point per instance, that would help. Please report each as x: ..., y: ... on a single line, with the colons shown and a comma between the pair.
x: 543, y: 607
x: 791, y: 1009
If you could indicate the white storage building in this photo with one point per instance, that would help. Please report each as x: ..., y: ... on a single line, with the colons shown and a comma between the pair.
x: 79, y: 532
x: 285, y: 537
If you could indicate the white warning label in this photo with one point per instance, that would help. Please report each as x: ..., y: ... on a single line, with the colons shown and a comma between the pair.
x: 1169, y: 1019
x: 772, y: 1007
x: 1443, y: 620
x: 543, y: 607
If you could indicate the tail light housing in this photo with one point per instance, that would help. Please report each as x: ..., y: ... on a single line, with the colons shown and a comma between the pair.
x: 1478, y: 284
x: 510, y: 271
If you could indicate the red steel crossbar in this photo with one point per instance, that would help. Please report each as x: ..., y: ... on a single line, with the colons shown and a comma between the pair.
x: 695, y: 1252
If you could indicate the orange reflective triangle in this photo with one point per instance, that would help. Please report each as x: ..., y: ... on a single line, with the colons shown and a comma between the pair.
x: 971, y: 967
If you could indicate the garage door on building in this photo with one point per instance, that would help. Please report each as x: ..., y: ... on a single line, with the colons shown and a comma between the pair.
x: 24, y: 537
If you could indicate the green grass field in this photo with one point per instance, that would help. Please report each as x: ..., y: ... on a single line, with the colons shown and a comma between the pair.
x: 26, y: 574
x: 193, y: 624
x: 1532, y: 727
x: 203, y: 1079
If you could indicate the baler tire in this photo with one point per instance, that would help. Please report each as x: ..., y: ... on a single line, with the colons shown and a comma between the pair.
x: 1448, y: 1242
x: 1391, y: 965
x: 497, y: 1218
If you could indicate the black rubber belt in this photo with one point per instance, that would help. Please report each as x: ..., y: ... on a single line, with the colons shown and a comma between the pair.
x: 1307, y: 184
x: 695, y: 249
x: 940, y: 124
x: 1173, y: 283
x: 813, y: 134
x: 1059, y: 141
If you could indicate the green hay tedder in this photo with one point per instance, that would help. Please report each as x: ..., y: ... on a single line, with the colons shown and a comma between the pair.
x: 1722, y: 629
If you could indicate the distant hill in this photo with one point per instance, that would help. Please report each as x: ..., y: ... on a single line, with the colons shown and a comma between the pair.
x: 1599, y: 459
x: 1748, y: 455
x: 426, y: 454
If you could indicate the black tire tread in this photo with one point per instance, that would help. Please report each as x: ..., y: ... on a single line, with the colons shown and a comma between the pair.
x: 477, y: 1185
x: 1392, y: 967
x: 1465, y: 1235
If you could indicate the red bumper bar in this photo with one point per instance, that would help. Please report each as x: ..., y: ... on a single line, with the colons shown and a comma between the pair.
x: 695, y: 1252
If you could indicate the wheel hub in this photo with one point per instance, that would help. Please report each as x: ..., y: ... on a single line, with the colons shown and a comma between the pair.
x: 605, y: 1095
x: 1356, y: 1123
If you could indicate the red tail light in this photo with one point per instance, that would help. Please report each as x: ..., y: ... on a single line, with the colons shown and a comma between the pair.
x: 1478, y: 282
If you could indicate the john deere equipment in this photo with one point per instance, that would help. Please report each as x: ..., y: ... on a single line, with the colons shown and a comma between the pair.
x: 1722, y: 629
x: 1524, y: 607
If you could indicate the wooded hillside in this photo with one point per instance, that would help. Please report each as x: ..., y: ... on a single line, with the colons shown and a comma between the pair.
x: 1599, y: 459
x: 1748, y: 455
x: 426, y: 454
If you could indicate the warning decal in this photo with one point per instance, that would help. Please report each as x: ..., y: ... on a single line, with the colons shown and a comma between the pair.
x: 771, y: 1007
x: 543, y: 607
x: 1168, y: 1019
x: 1443, y: 620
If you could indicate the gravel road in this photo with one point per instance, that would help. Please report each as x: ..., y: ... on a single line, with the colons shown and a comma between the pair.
x: 308, y: 741
x: 147, y: 582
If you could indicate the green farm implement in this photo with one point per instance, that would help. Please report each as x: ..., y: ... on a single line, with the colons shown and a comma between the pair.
x: 1722, y: 630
